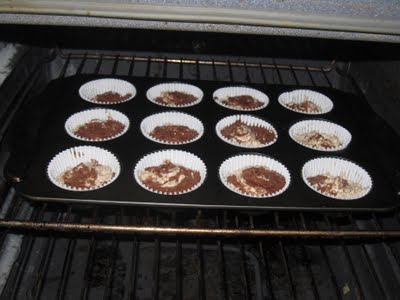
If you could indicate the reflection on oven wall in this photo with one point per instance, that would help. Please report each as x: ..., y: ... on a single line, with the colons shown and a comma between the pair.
x: 8, y: 54
x: 381, y: 87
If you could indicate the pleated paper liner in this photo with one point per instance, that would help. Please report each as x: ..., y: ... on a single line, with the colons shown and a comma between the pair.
x: 299, y: 96
x: 244, y: 161
x: 171, y: 118
x: 223, y: 94
x: 320, y: 126
x: 91, y: 89
x: 337, y: 167
x: 158, y: 90
x: 72, y: 157
x: 248, y: 120
x: 177, y: 157
x: 83, y: 117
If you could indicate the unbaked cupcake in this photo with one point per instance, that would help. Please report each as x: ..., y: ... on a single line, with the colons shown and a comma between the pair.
x: 170, y: 172
x: 107, y: 91
x: 246, y: 131
x: 96, y: 125
x: 241, y: 98
x: 254, y: 175
x: 336, y: 178
x: 320, y: 135
x: 173, y: 128
x: 306, y: 102
x: 175, y: 95
x: 83, y: 168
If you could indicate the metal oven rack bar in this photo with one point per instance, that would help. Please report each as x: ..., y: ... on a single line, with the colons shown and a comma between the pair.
x: 298, y: 253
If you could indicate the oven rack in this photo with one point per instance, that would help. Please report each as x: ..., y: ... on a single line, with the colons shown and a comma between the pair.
x: 327, y: 74
x: 283, y: 237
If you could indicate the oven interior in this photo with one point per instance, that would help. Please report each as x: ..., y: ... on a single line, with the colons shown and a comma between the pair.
x: 68, y: 251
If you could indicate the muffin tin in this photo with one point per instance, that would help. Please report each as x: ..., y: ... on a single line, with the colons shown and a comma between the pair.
x: 131, y: 147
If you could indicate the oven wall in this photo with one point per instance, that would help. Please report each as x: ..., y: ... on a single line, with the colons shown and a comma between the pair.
x: 380, y: 83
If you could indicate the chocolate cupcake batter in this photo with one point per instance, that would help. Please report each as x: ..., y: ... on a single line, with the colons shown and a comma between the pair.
x: 305, y: 106
x: 243, y: 102
x: 87, y: 175
x: 100, y: 129
x: 174, y: 133
x: 257, y: 181
x: 175, y: 98
x: 249, y: 135
x: 337, y: 186
x: 169, y: 178
x: 111, y: 96
x: 319, y: 140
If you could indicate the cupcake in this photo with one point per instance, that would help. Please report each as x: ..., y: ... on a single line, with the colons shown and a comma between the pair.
x: 246, y: 131
x: 337, y: 178
x: 241, y: 98
x: 97, y: 125
x: 254, y: 176
x: 83, y: 168
x: 172, y: 128
x: 107, y: 91
x: 320, y: 135
x: 170, y: 172
x: 306, y: 102
x: 175, y: 94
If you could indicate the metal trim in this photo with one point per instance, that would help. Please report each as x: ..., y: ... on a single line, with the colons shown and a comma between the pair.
x: 89, y: 21
x: 185, y: 231
x: 215, y: 15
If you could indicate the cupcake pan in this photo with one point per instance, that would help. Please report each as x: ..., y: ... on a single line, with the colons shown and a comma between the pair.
x: 86, y: 116
x: 171, y: 118
x: 132, y: 146
x: 223, y: 93
x: 91, y: 89
x: 321, y: 126
x: 249, y: 120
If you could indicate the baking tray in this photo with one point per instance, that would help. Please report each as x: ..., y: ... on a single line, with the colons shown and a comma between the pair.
x: 61, y: 99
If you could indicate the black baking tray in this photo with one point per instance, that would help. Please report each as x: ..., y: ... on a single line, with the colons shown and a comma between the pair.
x: 61, y: 99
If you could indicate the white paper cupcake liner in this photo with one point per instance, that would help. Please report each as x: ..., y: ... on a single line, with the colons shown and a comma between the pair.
x: 223, y: 93
x: 321, y: 126
x: 156, y: 91
x: 86, y: 116
x: 298, y: 96
x: 91, y: 89
x: 171, y: 118
x: 244, y: 161
x: 177, y: 157
x: 249, y: 120
x: 74, y: 156
x: 337, y: 167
